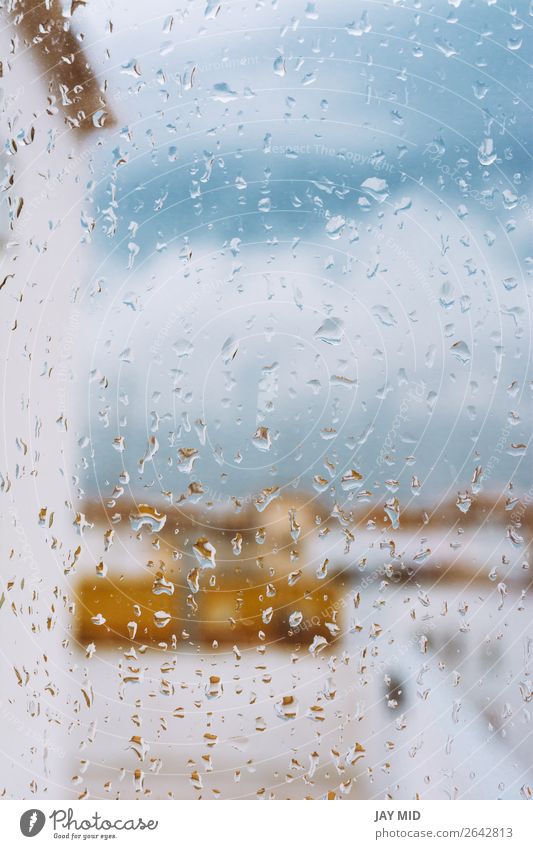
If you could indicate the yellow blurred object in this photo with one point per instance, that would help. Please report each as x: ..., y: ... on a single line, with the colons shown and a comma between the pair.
x: 232, y: 582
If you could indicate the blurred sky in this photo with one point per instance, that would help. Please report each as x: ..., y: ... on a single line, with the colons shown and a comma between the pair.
x: 281, y: 165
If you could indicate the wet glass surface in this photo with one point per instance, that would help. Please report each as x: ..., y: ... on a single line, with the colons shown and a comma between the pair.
x: 266, y: 478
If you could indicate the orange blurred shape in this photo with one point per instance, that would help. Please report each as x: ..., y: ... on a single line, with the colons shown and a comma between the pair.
x: 255, y: 586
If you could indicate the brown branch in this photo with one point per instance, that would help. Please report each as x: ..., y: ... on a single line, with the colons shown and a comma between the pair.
x: 63, y: 62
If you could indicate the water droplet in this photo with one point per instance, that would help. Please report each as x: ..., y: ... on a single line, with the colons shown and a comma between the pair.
x: 319, y: 643
x: 331, y: 331
x: 295, y: 619
x: 161, y: 618
x: 461, y: 352
x: 351, y: 480
x: 335, y: 225
x: 287, y: 707
x: 262, y: 439
x: 279, y: 66
x: 147, y: 517
x: 224, y: 93
x: 205, y: 553
x: 486, y: 153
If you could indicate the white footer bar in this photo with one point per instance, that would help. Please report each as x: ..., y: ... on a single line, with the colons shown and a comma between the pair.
x: 359, y: 824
